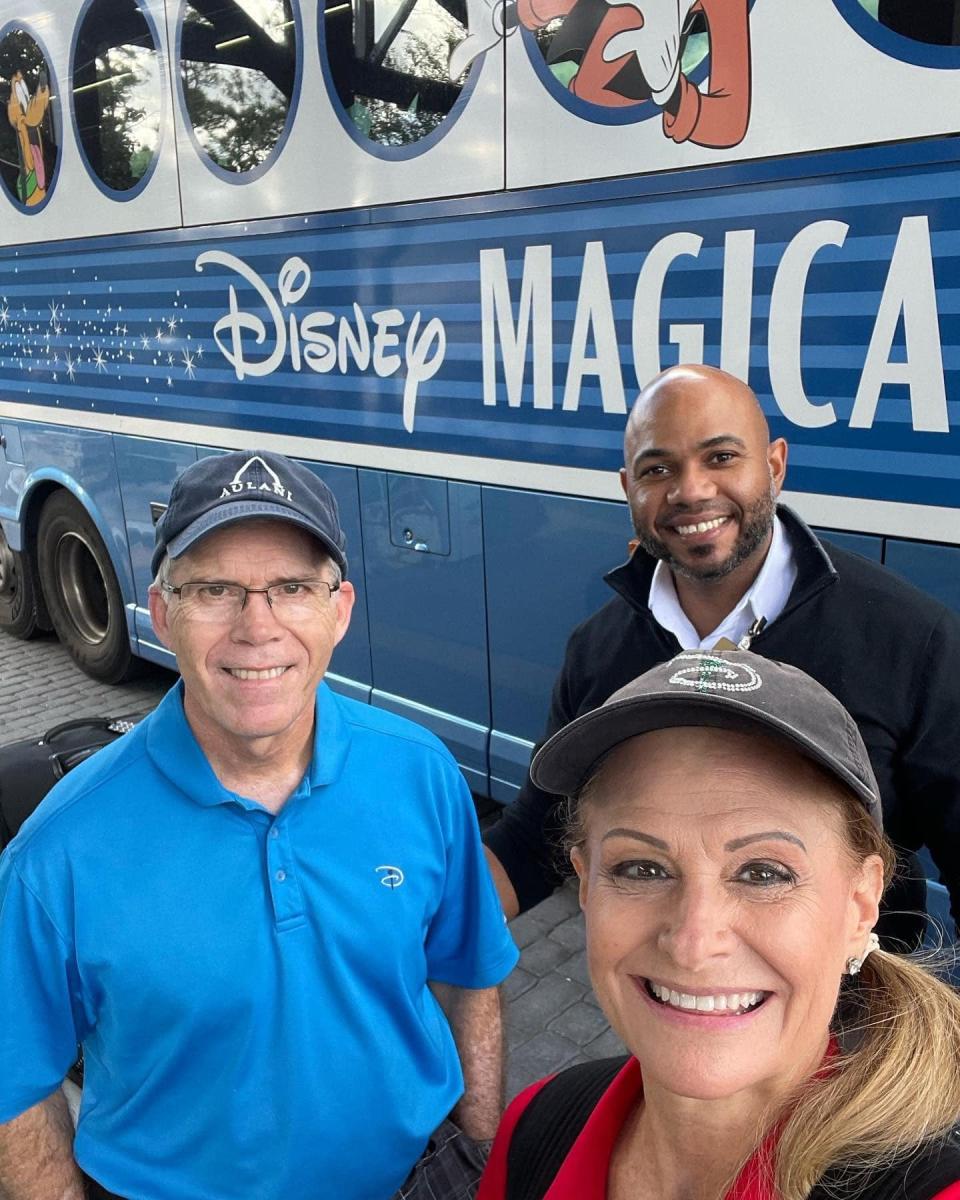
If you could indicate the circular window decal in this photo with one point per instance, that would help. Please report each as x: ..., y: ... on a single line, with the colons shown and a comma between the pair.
x: 925, y: 35
x: 116, y: 94
x: 615, y: 65
x: 399, y: 71
x: 30, y: 132
x: 239, y: 79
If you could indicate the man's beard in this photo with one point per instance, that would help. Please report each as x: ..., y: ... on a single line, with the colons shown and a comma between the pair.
x: 755, y: 527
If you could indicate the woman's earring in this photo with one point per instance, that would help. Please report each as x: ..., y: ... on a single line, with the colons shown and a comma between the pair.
x: 854, y: 964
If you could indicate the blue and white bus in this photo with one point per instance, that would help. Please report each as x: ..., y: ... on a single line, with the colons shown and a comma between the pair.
x: 432, y: 248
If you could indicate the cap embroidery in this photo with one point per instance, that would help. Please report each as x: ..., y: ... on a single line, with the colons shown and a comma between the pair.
x: 712, y: 674
x: 238, y: 484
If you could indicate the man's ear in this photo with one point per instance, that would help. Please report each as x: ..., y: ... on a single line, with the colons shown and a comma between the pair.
x: 345, y: 597
x: 159, y: 615
x: 777, y: 462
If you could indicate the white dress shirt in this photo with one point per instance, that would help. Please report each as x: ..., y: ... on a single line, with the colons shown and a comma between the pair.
x: 766, y: 597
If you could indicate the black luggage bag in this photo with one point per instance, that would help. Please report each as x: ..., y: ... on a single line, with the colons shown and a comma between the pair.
x: 29, y: 769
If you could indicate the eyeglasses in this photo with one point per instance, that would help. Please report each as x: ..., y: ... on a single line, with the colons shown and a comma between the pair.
x: 297, y: 600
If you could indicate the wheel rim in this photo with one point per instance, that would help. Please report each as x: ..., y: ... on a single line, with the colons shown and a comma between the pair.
x: 83, y: 588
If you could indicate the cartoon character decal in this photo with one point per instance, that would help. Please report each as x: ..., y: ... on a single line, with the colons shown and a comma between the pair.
x: 630, y: 52
x: 25, y: 113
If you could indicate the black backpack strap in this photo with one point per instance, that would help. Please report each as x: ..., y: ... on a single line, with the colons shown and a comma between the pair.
x: 551, y: 1123
x: 920, y: 1176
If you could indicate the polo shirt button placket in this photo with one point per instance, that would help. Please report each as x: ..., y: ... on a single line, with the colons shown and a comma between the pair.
x: 285, y: 892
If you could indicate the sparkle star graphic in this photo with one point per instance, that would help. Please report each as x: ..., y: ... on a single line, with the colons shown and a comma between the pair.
x: 4, y: 316
x: 71, y: 368
x: 188, y: 364
x: 144, y: 343
x: 172, y: 323
x: 55, y: 310
x: 99, y: 361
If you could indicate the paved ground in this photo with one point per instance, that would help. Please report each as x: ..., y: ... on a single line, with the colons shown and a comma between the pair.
x: 552, y: 1017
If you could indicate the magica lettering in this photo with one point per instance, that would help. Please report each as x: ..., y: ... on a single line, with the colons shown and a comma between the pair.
x: 319, y: 340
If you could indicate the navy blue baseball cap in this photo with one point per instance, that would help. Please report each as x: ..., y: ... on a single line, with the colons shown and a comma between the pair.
x: 223, y: 488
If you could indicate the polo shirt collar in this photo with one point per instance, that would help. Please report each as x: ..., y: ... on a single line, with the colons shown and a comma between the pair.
x: 177, y: 754
x: 331, y: 739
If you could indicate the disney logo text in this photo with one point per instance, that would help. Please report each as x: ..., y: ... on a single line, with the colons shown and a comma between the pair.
x: 306, y: 337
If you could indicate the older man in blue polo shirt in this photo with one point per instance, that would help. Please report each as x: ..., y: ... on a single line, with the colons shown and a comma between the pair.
x: 247, y: 908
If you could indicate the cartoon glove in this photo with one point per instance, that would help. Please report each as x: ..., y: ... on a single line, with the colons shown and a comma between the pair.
x: 656, y: 43
x: 485, y: 21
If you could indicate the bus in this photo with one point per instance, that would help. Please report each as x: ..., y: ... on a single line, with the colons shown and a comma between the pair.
x: 432, y: 248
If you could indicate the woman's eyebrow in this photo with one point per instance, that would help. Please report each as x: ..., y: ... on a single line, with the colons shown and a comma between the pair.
x: 768, y: 835
x: 636, y: 834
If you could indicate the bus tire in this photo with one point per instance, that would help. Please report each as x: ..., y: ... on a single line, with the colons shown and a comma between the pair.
x: 21, y: 604
x: 81, y: 591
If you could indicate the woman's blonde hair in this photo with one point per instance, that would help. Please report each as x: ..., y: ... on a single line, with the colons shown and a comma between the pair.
x: 895, y: 1083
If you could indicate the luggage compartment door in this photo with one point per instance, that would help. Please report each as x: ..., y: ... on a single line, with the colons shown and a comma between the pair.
x: 423, y: 548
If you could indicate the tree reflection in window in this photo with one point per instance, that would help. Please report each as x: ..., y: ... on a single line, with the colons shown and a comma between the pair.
x: 29, y: 134
x: 936, y: 22
x: 389, y: 60
x: 238, y: 61
x: 116, y: 92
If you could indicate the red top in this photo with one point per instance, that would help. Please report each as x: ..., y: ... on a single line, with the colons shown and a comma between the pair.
x: 583, y: 1175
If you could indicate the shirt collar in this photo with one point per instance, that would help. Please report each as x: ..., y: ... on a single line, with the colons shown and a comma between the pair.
x: 331, y: 739
x: 177, y: 754
x: 766, y: 597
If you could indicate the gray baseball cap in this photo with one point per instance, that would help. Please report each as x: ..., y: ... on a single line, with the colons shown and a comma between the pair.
x: 220, y: 489
x: 728, y: 689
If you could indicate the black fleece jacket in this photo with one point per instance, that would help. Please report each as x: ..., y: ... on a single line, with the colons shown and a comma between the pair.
x: 889, y: 652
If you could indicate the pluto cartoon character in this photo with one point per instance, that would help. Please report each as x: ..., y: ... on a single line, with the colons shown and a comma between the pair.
x: 25, y: 113
x: 630, y: 51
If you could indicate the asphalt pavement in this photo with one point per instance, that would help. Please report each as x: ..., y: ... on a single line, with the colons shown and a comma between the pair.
x: 552, y: 1017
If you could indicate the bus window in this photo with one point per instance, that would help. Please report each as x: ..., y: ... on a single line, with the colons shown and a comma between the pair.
x: 238, y: 68
x: 29, y: 141
x: 389, y: 62
x: 116, y: 92
x: 933, y: 21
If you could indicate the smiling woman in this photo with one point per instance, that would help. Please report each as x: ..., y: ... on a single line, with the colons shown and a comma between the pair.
x: 727, y: 834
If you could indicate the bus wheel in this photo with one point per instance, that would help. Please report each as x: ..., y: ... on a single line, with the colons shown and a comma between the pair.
x: 81, y: 591
x: 20, y: 603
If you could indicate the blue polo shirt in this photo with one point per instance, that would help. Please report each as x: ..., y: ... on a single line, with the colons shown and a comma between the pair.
x: 250, y: 990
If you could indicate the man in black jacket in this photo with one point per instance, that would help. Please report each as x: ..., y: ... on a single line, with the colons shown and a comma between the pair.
x: 718, y: 562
